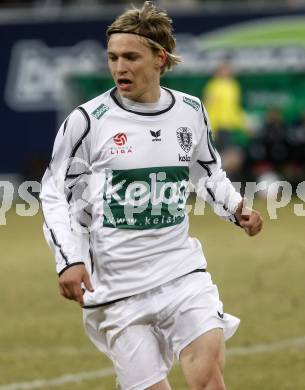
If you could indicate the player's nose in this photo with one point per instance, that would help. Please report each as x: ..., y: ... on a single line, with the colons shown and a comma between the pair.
x: 121, y: 66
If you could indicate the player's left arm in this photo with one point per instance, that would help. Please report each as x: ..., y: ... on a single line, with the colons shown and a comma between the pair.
x: 207, y: 176
x: 212, y: 184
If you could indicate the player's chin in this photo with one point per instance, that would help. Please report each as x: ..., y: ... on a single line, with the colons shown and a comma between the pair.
x: 125, y: 94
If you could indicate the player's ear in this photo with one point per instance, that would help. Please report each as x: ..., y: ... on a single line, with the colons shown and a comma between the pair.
x: 163, y: 56
x: 160, y: 58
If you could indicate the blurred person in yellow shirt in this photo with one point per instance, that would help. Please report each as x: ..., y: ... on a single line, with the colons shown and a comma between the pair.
x: 222, y: 98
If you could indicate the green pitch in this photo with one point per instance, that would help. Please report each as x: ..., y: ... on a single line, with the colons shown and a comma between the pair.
x: 261, y: 280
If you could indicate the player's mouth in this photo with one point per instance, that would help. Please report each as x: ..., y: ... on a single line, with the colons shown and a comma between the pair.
x: 124, y: 83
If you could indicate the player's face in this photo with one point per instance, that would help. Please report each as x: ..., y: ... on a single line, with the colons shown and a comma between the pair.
x: 135, y: 68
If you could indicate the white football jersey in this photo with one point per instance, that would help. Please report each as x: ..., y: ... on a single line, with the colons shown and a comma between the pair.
x: 115, y: 192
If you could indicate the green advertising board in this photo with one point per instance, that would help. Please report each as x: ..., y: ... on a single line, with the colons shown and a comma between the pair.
x: 261, y: 92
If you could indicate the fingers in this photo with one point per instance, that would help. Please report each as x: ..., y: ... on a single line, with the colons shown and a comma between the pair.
x: 70, y: 283
x: 87, y: 282
x: 253, y: 225
x: 72, y: 291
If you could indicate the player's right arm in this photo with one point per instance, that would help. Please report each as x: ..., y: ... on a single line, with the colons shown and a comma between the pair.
x: 70, y: 160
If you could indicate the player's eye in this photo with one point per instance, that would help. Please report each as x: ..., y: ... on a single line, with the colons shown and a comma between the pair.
x: 132, y: 57
x: 112, y: 58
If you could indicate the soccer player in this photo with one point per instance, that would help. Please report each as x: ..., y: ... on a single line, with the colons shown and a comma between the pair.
x: 114, y: 200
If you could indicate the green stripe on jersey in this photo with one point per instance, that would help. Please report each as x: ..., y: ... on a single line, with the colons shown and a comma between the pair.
x: 145, y: 198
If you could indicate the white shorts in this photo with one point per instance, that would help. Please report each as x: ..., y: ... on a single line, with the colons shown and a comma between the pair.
x: 143, y: 334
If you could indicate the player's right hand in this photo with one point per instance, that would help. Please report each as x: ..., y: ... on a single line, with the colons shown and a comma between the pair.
x: 70, y: 283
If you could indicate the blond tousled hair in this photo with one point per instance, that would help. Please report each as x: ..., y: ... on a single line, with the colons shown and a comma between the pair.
x: 154, y: 26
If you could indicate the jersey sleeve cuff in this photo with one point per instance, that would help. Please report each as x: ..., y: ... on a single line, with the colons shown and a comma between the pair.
x: 60, y: 272
x: 234, y: 201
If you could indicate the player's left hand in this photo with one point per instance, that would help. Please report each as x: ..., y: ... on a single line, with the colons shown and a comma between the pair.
x: 250, y: 220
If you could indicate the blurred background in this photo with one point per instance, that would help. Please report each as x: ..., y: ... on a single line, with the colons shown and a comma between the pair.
x: 246, y: 61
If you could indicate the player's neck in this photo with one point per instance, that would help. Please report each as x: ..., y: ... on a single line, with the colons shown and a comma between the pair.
x: 148, y: 97
x: 163, y: 102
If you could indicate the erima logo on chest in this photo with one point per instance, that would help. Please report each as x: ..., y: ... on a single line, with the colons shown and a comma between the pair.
x: 156, y: 135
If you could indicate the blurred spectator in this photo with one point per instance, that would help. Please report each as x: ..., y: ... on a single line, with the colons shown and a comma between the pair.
x: 279, y: 149
x: 222, y: 99
x: 296, y: 139
x: 269, y: 149
x: 274, y: 129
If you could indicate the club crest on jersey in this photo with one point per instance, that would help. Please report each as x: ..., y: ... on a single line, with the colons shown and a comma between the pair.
x: 120, y: 140
x: 185, y: 138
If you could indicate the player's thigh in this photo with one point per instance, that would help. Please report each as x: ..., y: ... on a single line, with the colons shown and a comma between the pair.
x: 163, y: 385
x: 137, y: 359
x: 203, y: 360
